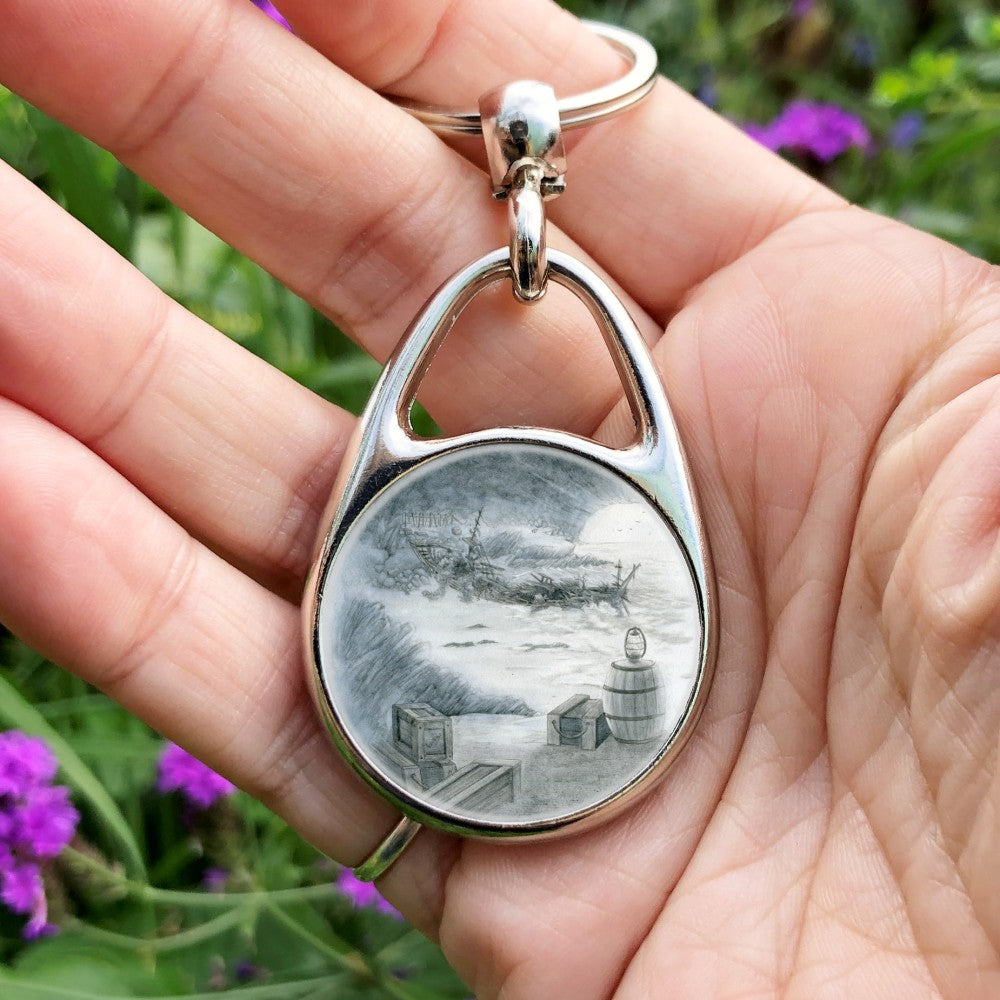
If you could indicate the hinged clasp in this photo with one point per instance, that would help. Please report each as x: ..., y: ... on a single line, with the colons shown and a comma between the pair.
x: 521, y: 128
x: 527, y: 166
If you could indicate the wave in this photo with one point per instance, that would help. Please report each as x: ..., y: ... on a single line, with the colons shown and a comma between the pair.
x: 388, y: 666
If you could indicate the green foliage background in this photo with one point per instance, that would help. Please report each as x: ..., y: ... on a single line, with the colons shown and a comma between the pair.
x: 136, y: 922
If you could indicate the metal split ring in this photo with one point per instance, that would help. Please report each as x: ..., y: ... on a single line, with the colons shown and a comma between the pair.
x: 381, y: 859
x: 591, y: 106
x: 522, y: 124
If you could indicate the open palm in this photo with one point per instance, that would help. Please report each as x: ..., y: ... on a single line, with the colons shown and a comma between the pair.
x: 833, y: 828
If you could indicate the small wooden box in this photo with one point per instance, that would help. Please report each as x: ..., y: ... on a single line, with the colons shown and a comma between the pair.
x: 578, y: 722
x: 422, y: 733
x: 480, y: 785
x: 415, y: 776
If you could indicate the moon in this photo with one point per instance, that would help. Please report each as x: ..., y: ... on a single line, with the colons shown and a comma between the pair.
x: 624, y: 525
x: 633, y: 533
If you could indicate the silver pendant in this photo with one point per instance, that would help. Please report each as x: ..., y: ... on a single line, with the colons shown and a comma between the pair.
x: 511, y: 632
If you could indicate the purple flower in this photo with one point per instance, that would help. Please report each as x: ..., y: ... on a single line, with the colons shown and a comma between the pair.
x: 802, y: 8
x: 764, y: 134
x: 272, y: 12
x: 864, y: 51
x: 46, y: 821
x: 22, y: 885
x: 25, y: 762
x: 707, y: 92
x: 22, y: 891
x: 197, y: 782
x: 364, y: 894
x: 36, y: 822
x: 907, y: 130
x: 214, y: 879
x: 822, y: 130
x: 246, y: 972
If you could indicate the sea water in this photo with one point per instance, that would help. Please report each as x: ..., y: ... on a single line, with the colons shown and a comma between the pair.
x: 544, y: 654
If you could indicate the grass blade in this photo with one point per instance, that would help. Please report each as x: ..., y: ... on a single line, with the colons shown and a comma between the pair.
x: 266, y: 991
x: 17, y: 713
x: 85, y: 177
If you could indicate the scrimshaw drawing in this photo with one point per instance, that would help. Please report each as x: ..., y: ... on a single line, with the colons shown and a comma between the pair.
x: 510, y: 633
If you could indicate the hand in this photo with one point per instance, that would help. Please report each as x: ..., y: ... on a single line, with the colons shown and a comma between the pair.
x: 832, y: 828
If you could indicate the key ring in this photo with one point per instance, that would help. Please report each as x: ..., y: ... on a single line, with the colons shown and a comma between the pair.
x: 522, y: 124
x: 583, y: 109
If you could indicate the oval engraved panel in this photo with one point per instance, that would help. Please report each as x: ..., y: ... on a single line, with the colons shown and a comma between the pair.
x: 472, y: 636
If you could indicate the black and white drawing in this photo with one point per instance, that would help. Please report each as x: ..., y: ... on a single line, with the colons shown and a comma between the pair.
x: 510, y: 633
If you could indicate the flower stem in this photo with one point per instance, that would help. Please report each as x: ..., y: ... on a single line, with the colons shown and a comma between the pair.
x: 288, y: 990
x: 336, y: 950
x: 223, y: 900
x: 173, y: 942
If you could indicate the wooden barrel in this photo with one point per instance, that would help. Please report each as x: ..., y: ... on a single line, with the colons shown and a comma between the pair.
x: 634, y: 699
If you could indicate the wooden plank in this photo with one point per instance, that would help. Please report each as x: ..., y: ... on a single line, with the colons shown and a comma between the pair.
x: 480, y: 785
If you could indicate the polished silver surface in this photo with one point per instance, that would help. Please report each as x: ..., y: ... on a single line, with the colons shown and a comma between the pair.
x: 386, y: 455
x: 526, y: 218
x: 527, y: 165
x: 521, y: 127
x: 581, y: 109
x: 429, y: 548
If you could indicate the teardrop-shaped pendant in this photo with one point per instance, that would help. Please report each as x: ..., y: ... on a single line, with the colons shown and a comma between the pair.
x: 512, y: 631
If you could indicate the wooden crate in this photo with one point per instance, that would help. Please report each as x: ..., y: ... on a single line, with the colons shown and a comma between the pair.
x: 413, y: 775
x: 422, y: 733
x: 480, y: 785
x: 578, y: 722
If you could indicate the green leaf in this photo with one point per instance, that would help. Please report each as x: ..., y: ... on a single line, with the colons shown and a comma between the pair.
x: 892, y: 87
x: 935, y: 69
x: 17, y: 141
x: 415, y: 968
x: 293, y: 989
x: 928, y: 73
x: 71, y: 962
x: 84, y: 176
x: 123, y: 749
x: 408, y: 989
x: 18, y: 713
x: 944, y: 153
x: 986, y: 69
x: 983, y: 29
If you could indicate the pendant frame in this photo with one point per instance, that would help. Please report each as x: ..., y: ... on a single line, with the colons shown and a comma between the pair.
x: 385, y: 450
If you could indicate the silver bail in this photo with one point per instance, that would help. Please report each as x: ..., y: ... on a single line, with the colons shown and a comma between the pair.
x: 527, y: 163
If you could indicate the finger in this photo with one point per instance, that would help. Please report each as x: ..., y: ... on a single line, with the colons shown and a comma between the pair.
x: 345, y: 198
x: 95, y: 576
x: 661, y: 197
x: 238, y: 453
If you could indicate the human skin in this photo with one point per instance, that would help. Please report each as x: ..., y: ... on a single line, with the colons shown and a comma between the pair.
x: 833, y: 827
